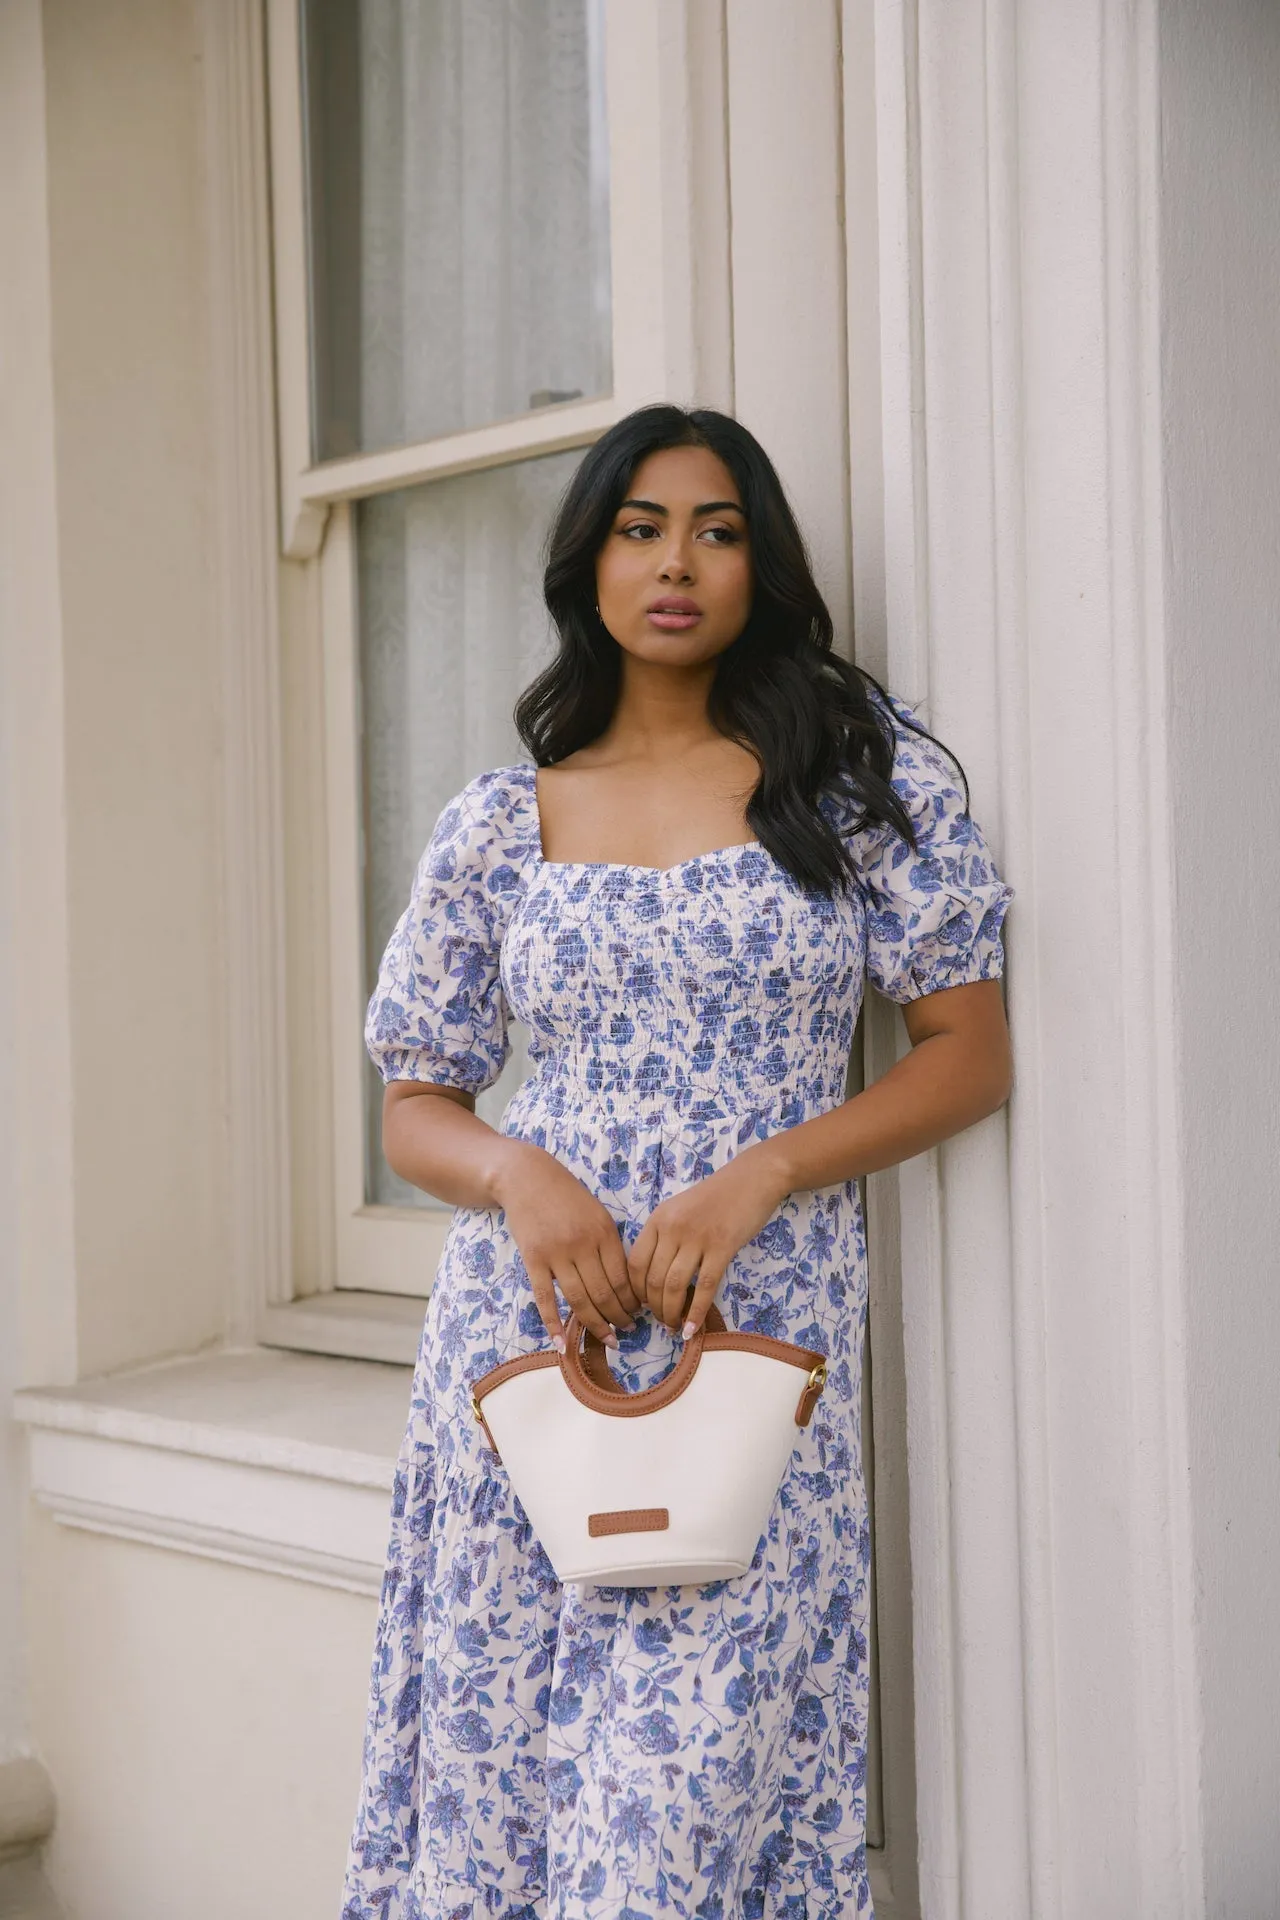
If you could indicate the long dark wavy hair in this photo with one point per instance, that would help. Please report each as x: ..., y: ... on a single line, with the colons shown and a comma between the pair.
x: 780, y: 690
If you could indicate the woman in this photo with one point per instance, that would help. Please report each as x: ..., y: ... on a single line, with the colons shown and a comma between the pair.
x: 722, y: 826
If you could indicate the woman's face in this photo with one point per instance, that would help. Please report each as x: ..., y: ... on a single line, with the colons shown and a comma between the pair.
x: 673, y: 578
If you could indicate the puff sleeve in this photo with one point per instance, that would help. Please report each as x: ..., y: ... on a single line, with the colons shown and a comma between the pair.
x: 438, y: 1013
x: 934, y: 913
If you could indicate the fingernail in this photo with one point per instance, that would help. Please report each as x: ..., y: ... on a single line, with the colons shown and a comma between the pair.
x: 557, y: 1341
x: 611, y: 1338
x: 628, y: 1326
x: 688, y: 1330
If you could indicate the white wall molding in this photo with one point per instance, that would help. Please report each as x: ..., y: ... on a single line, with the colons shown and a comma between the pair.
x: 352, y: 1324
x: 182, y: 1503
x: 302, y: 522
x: 1220, y: 425
x: 275, y: 1462
x: 865, y: 123
x: 37, y: 1253
x: 246, y: 589
x: 38, y: 1134
x: 1021, y: 554
x: 787, y: 251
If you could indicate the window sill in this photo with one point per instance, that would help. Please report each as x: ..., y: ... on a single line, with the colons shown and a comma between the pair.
x: 352, y: 1325
x: 277, y: 1461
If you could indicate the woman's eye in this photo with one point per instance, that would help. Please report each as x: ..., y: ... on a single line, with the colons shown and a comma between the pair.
x: 646, y: 530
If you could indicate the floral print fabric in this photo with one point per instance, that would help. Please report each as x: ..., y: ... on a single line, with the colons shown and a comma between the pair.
x: 539, y: 1752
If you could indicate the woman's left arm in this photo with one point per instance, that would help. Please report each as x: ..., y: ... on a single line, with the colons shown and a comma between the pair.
x: 959, y: 1070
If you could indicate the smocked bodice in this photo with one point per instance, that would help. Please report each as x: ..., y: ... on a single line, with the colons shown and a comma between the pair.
x: 706, y: 988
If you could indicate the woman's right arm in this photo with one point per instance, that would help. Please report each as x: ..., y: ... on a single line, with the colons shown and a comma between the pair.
x: 433, y: 1138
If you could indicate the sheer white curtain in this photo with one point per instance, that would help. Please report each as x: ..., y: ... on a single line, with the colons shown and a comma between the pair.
x: 483, y: 212
x: 452, y: 627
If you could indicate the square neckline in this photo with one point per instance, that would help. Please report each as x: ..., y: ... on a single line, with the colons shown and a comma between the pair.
x: 616, y: 866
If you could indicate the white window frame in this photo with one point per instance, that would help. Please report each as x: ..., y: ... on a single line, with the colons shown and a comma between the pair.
x: 670, y: 341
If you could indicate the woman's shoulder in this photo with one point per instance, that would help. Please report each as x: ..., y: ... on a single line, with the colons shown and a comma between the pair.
x: 496, y: 790
x: 923, y: 774
x: 900, y: 719
x: 493, y: 816
x: 922, y: 764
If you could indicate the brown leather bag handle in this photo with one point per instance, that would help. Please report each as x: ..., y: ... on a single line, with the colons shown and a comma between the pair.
x: 589, y: 1377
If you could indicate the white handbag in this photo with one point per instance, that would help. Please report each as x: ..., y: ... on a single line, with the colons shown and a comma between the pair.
x: 668, y: 1486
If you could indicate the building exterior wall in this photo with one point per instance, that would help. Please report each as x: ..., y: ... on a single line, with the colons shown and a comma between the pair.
x: 1221, y: 406
x: 141, y: 715
x: 202, y: 1724
x: 1049, y: 505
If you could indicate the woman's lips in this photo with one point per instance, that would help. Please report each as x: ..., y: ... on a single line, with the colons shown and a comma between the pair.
x: 674, y: 615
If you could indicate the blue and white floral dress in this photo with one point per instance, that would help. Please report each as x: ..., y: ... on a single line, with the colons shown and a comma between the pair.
x: 596, y: 1753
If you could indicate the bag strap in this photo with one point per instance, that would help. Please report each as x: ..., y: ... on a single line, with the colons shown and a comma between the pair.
x: 590, y: 1379
x: 595, y: 1361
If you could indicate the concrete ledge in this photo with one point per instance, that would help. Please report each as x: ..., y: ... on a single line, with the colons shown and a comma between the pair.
x: 358, y: 1326
x: 277, y: 1461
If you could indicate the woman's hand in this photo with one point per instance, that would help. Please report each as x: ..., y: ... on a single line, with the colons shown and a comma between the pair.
x: 565, y: 1235
x: 697, y: 1232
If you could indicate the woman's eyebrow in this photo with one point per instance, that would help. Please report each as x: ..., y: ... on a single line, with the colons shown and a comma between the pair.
x: 710, y: 506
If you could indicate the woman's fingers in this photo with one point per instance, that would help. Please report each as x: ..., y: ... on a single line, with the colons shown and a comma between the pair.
x: 604, y: 1294
x: 676, y: 1283
x: 640, y: 1259
x: 544, y: 1294
x: 613, y: 1258
x: 710, y: 1274
x: 653, y: 1268
x: 578, y: 1295
x: 576, y: 1291
x: 569, y: 1240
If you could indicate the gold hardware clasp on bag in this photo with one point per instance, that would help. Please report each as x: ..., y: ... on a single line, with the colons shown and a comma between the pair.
x: 490, y: 1442
x: 816, y: 1381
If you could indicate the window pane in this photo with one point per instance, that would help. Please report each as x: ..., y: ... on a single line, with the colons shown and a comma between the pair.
x: 458, y: 179
x: 452, y: 628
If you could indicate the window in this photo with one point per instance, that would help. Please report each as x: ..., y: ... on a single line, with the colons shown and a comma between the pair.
x: 477, y: 271
x: 458, y: 215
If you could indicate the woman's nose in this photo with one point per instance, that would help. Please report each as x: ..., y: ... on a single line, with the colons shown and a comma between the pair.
x: 675, y: 561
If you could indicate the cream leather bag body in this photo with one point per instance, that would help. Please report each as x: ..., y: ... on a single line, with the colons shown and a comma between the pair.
x: 669, y: 1486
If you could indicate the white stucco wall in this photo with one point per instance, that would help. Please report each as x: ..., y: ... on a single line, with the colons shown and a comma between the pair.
x: 203, y: 1726
x: 201, y: 1722
x: 1220, y: 84
x: 141, y: 712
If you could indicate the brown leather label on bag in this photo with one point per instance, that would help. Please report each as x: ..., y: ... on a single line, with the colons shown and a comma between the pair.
x: 633, y: 1520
